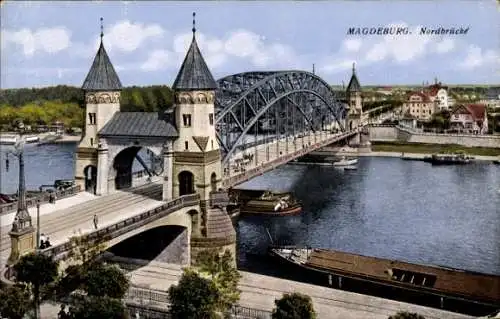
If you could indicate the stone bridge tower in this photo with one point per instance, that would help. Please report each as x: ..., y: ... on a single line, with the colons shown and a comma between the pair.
x: 102, y: 89
x: 355, y: 114
x: 197, y: 158
x: 353, y: 95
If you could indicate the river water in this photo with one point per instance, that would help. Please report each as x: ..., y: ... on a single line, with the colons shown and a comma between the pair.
x: 388, y: 208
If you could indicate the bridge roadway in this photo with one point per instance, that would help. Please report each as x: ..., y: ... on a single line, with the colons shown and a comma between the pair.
x: 69, y: 217
x: 277, y: 152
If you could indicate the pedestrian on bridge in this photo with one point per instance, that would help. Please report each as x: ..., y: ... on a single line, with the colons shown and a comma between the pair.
x: 95, y: 221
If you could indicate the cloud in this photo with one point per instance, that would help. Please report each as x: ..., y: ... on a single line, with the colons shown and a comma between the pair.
x: 157, y: 60
x: 127, y: 36
x: 401, y: 48
x: 48, y: 40
x: 337, y: 66
x: 445, y: 46
x: 476, y: 58
x: 237, y: 45
x: 352, y: 44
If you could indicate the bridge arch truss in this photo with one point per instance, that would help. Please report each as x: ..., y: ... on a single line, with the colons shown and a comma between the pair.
x: 256, y: 107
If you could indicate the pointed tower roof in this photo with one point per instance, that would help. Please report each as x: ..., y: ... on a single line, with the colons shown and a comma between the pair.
x: 194, y: 73
x: 354, y: 85
x: 102, y: 75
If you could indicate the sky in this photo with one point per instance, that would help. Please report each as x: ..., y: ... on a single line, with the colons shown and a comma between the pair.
x: 47, y: 43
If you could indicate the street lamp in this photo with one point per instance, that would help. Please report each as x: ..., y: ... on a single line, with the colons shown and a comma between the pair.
x: 38, y: 223
x: 22, y: 219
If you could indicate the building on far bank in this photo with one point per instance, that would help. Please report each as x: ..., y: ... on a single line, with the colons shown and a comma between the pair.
x: 419, y: 105
x: 469, y: 118
x: 492, y: 98
x: 439, y: 94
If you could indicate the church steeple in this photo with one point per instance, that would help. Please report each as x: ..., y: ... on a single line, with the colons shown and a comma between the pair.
x: 354, y: 85
x: 194, y: 73
x: 102, y: 75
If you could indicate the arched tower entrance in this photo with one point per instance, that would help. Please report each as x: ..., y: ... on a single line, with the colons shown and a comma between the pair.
x: 135, y: 162
x: 90, y: 174
x: 186, y: 183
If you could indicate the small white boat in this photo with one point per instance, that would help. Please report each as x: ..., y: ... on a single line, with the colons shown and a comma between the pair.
x: 345, y: 162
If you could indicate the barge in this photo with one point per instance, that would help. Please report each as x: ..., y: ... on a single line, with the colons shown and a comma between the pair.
x: 260, y: 202
x: 449, y: 159
x: 434, y: 286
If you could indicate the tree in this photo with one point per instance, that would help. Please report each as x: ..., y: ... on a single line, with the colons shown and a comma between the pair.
x: 406, y: 315
x: 294, y: 306
x: 104, y: 280
x: 223, y: 273
x: 14, y: 302
x: 37, y: 270
x: 98, y: 308
x: 194, y: 297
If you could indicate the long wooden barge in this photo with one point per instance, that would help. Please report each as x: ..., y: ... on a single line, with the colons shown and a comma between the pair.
x: 435, y: 286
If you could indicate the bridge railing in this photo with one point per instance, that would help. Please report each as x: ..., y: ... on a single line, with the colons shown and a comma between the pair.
x: 44, y: 198
x: 126, y: 225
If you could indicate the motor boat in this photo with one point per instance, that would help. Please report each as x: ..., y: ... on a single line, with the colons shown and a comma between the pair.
x: 345, y: 162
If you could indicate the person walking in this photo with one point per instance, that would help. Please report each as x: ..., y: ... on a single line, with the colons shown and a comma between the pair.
x: 95, y: 221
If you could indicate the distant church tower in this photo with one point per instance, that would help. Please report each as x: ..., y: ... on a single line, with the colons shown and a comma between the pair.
x: 353, y: 96
x: 197, y: 161
x: 102, y: 89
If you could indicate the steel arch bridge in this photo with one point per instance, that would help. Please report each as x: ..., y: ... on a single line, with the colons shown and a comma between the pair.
x: 253, y: 108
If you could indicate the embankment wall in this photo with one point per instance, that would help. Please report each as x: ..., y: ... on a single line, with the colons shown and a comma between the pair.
x: 386, y: 133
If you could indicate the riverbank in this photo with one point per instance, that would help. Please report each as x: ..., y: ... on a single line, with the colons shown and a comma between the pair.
x: 46, y: 138
x: 428, y: 149
x: 419, y: 155
x: 42, y: 138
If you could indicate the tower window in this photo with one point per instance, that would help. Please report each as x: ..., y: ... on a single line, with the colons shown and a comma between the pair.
x: 91, y: 141
x: 212, y: 142
x: 186, y: 145
x: 211, y: 118
x: 186, y: 118
x: 92, y: 118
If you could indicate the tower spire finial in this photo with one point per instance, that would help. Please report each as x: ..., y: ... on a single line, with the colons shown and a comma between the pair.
x: 102, y: 29
x: 353, y: 67
x: 194, y: 23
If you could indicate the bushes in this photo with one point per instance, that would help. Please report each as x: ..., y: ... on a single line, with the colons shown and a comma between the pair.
x: 294, y: 306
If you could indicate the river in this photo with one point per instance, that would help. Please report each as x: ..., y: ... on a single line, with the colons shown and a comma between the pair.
x: 405, y: 210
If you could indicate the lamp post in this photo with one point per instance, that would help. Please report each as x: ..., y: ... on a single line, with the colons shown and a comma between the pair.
x: 38, y: 224
x: 22, y: 220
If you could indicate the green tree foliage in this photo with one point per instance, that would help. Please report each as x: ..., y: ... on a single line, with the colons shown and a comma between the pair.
x: 406, y: 315
x: 36, y: 270
x: 90, y: 274
x: 66, y: 104
x: 14, y: 302
x: 294, y: 306
x: 223, y: 273
x: 194, y: 297
x: 98, y: 308
x: 104, y: 280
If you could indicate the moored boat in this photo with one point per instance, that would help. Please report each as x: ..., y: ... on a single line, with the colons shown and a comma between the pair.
x: 458, y: 158
x: 345, y: 162
x: 497, y: 161
x: 436, y: 286
x: 272, y: 204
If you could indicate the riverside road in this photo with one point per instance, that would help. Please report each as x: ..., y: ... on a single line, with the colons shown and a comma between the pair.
x: 387, y: 208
